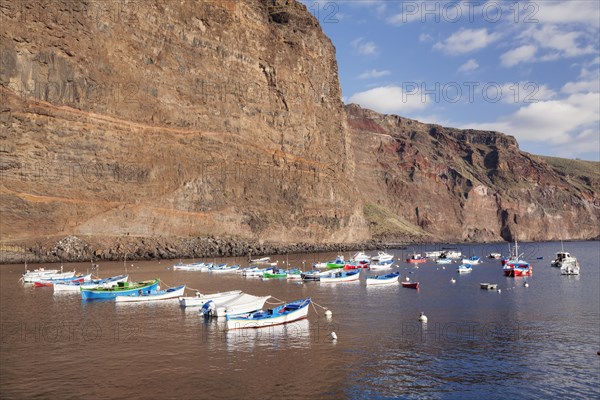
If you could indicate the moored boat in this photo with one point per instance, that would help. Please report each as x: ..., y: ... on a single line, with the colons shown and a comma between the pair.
x: 464, y: 268
x: 200, y: 299
x: 488, y: 286
x: 275, y: 274
x: 569, y: 267
x: 340, y: 276
x: 94, y: 283
x: 244, y: 303
x: 416, y: 258
x: 381, y: 265
x: 382, y: 256
x: 410, y: 285
x: 314, y: 275
x: 30, y: 277
x: 444, y: 261
x: 471, y: 260
x: 159, y: 295
x: 284, y: 314
x: 383, y: 279
x: 224, y: 269
x: 360, y: 256
x: 122, y: 289
x: 50, y: 282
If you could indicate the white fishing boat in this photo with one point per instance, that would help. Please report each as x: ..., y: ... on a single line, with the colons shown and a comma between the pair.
x: 200, y: 299
x: 261, y: 260
x: 196, y: 267
x: 451, y: 253
x: 569, y: 266
x: 224, y: 269
x: 284, y: 314
x: 160, y: 295
x: 382, y: 256
x: 244, y: 303
x: 360, y: 256
x: 36, y: 276
x: 434, y: 254
x: 76, y: 287
x: 255, y: 271
x: 381, y: 265
x: 444, y: 261
x: 383, y: 279
x: 340, y: 276
x: 464, y: 268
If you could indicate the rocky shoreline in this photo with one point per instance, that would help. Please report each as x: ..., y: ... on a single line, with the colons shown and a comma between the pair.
x: 74, y: 248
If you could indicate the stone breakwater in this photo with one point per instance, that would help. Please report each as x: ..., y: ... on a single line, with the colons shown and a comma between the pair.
x: 73, y: 249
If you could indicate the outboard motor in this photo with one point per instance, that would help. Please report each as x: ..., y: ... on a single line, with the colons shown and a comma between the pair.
x: 208, y: 309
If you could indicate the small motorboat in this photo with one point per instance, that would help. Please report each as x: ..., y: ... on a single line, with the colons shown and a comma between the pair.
x: 382, y: 256
x: 223, y: 269
x: 361, y: 256
x: 464, y: 268
x: 314, y: 275
x: 410, y: 285
x: 472, y: 260
x: 77, y: 286
x: 242, y: 304
x: 381, y: 265
x: 416, y: 258
x: 569, y: 267
x: 383, y: 279
x: 160, y: 295
x: 80, y: 278
x: 284, y: 314
x: 444, y: 261
x: 275, y: 274
x: 488, y: 286
x: 122, y: 289
x: 495, y: 256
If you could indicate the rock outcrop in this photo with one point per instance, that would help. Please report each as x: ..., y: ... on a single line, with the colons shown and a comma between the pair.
x: 448, y: 184
x: 164, y: 124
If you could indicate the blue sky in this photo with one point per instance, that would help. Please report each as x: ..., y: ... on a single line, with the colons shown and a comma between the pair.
x: 528, y: 69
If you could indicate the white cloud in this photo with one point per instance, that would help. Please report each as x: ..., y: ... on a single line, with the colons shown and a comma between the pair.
x: 566, y: 12
x: 390, y: 99
x: 516, y: 56
x: 552, y: 122
x: 525, y: 93
x: 470, y: 65
x: 373, y: 73
x: 466, y: 41
x: 364, y: 48
x: 425, y: 37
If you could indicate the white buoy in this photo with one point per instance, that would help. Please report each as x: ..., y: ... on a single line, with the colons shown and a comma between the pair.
x: 453, y: 280
x: 407, y: 279
x: 526, y: 284
x: 443, y: 267
x: 328, y: 313
x: 499, y: 291
x: 423, y: 317
x: 333, y: 336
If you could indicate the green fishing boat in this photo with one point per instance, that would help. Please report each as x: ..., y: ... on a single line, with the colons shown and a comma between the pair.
x: 275, y: 274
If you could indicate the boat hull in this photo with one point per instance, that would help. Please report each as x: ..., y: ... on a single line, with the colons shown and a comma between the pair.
x: 338, y: 277
x: 162, y: 295
x: 383, y: 280
x: 410, y: 285
x: 269, y: 320
x: 135, y: 289
x: 218, y: 298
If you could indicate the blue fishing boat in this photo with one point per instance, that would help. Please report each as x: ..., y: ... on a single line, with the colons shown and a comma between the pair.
x: 383, y: 279
x: 280, y: 315
x: 122, y: 289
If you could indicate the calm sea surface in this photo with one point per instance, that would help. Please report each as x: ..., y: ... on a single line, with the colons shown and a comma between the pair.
x: 533, y: 342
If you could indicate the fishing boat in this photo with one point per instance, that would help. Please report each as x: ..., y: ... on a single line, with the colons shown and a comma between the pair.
x: 382, y: 256
x: 244, y: 303
x: 340, y: 276
x: 275, y: 274
x: 569, y: 266
x: 284, y: 314
x: 515, y: 266
x: 50, y: 282
x: 416, y: 258
x: 294, y: 274
x: 122, y: 289
x: 200, y: 299
x: 224, y: 269
x: 356, y: 265
x: 360, y: 256
x: 464, y: 268
x: 314, y: 275
x: 561, y: 257
x: 381, y: 265
x: 334, y: 263
x: 196, y: 267
x: 262, y: 260
x: 159, y: 295
x: 434, y: 254
x: 453, y: 253
x: 94, y: 283
x: 488, y: 286
x: 495, y: 256
x: 472, y: 260
x: 30, y: 277
x: 444, y: 261
x: 410, y: 285
x: 383, y: 279
x: 255, y: 271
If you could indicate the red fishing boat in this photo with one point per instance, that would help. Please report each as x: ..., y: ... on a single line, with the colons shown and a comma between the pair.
x: 416, y: 258
x: 411, y: 285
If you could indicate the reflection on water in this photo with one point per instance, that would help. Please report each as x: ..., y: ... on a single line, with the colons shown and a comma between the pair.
x: 538, y: 341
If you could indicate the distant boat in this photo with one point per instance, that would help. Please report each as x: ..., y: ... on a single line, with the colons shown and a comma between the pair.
x: 514, y: 266
x: 416, y: 258
x: 284, y: 314
x: 340, y: 276
x: 122, y: 289
x: 94, y: 283
x: 383, y: 279
x: 223, y: 269
x: 50, y: 282
x: 472, y: 260
x: 381, y: 265
x: 495, y: 256
x: 261, y: 260
x: 275, y: 274
x: 314, y: 275
x: 382, y: 256
x: 160, y: 295
x: 410, y: 285
x: 195, y: 267
x: 444, y: 261
x: 30, y: 277
x: 200, y: 299
x: 361, y: 256
x: 569, y: 266
x: 464, y: 268
x: 488, y: 286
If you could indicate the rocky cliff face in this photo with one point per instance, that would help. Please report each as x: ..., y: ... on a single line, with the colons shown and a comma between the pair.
x: 185, y: 118
x: 131, y: 127
x: 446, y: 184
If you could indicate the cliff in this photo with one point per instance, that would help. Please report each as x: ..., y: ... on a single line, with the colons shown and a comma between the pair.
x: 446, y: 184
x: 169, y: 129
